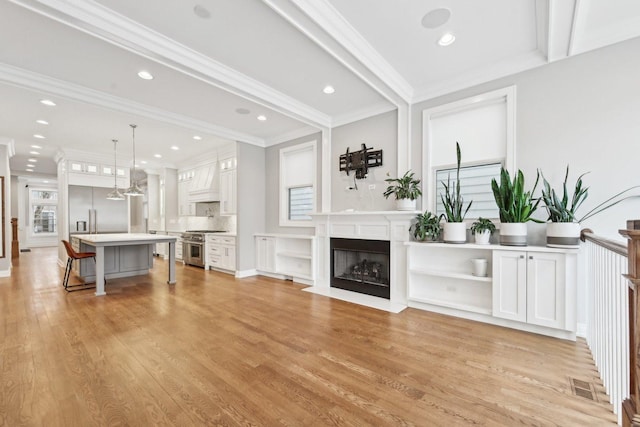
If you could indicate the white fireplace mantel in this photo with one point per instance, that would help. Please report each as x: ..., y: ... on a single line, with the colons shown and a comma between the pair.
x: 392, y: 226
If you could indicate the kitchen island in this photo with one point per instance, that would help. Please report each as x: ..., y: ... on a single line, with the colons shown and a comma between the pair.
x: 127, y: 254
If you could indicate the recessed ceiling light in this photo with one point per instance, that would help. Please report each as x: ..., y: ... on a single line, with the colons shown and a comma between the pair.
x: 143, y: 162
x: 31, y: 166
x: 29, y: 170
x: 157, y: 156
x: 42, y: 122
x: 32, y: 160
x: 328, y: 90
x: 175, y: 147
x: 48, y: 102
x: 262, y: 118
x: 436, y: 18
x: 242, y: 111
x: 35, y: 153
x: 446, y: 39
x: 37, y: 135
x: 197, y: 137
x: 37, y: 147
x: 201, y: 11
x: 145, y: 75
x: 45, y: 181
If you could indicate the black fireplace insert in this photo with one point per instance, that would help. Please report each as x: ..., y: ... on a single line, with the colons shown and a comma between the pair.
x: 361, y: 266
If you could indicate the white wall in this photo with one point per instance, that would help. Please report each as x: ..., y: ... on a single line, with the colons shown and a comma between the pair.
x: 583, y: 111
x: 5, y: 171
x: 377, y: 132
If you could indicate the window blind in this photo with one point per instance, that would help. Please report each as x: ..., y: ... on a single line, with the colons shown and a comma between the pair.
x: 475, y: 184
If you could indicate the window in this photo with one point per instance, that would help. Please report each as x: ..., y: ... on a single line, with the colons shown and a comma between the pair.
x: 44, y: 212
x: 297, y: 184
x: 475, y: 184
x: 484, y: 125
x: 300, y: 203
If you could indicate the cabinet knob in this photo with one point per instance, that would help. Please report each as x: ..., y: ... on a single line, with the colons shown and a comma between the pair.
x: 530, y: 256
x: 521, y: 256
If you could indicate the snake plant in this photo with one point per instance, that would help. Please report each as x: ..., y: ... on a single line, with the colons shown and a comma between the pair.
x: 452, y: 199
x: 514, y: 203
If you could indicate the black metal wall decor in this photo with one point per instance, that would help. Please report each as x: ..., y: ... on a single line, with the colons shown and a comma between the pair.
x: 360, y: 161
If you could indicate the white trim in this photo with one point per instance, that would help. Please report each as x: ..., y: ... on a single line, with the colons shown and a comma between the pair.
x: 6, y: 273
x: 102, y: 22
x: 26, y: 79
x: 323, y: 14
x: 11, y: 146
x: 241, y: 274
x: 325, y: 169
x: 581, y: 330
x: 284, y: 210
x: 508, y: 94
x: 364, y: 113
x: 290, y: 136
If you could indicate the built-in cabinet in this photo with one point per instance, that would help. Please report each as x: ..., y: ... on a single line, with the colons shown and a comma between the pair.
x: 185, y: 207
x: 220, y: 252
x: 228, y: 186
x: 96, y: 174
x: 529, y: 288
x: 286, y: 255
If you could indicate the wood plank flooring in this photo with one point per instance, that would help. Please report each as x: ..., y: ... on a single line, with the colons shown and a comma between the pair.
x: 214, y: 350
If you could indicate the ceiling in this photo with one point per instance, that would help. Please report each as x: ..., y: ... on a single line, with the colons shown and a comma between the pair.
x: 219, y: 64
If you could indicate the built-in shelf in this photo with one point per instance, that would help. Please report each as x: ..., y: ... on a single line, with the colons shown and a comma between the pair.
x: 449, y: 304
x: 286, y: 255
x: 451, y: 274
x: 298, y: 255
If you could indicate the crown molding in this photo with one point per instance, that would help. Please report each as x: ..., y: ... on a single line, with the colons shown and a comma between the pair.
x: 364, y: 113
x: 496, y: 71
x: 102, y: 22
x: 11, y: 146
x: 290, y: 136
x: 34, y: 81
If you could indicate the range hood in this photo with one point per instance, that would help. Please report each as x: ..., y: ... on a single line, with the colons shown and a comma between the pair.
x: 205, y: 185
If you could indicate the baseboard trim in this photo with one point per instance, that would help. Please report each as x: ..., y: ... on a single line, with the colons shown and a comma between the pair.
x: 241, y: 274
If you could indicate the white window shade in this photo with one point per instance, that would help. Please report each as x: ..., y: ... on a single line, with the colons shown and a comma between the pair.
x: 297, y: 184
x: 298, y: 168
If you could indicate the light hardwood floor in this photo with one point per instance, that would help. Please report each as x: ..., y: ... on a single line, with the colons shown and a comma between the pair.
x: 213, y: 350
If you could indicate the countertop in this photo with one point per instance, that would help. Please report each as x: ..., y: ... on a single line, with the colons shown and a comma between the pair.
x: 124, y: 238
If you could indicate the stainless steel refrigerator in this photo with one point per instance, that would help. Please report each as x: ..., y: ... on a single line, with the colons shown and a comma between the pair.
x: 91, y: 212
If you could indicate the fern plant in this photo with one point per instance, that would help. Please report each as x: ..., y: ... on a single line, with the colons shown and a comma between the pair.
x: 514, y: 203
x: 452, y: 199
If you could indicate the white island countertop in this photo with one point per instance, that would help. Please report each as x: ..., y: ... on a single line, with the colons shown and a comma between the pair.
x: 100, y: 241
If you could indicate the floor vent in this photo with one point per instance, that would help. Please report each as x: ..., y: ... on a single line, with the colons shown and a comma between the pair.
x: 25, y: 250
x: 583, y: 389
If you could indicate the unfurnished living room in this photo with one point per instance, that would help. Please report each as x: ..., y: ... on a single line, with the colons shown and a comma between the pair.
x: 319, y: 212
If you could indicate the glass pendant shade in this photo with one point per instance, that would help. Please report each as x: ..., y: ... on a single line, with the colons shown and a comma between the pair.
x: 133, y: 189
x: 115, y: 194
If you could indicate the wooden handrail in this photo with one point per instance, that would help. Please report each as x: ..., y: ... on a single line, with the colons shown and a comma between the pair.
x: 612, y: 245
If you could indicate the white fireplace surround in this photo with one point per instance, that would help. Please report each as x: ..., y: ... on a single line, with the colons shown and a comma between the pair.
x: 392, y: 226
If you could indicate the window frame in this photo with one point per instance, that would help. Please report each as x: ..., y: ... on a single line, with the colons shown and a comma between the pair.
x: 284, y: 186
x: 33, y: 202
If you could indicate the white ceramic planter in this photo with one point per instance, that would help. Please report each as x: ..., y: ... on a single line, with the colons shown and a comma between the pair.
x: 563, y: 235
x: 480, y: 267
x: 406, y: 204
x: 455, y: 232
x: 483, y: 238
x: 513, y: 233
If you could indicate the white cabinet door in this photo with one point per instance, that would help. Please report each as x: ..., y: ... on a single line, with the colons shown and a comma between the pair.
x: 546, y: 300
x: 510, y: 285
x: 228, y: 182
x: 266, y: 254
x: 229, y: 258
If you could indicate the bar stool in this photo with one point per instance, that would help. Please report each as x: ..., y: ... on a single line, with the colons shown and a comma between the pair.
x: 73, y: 255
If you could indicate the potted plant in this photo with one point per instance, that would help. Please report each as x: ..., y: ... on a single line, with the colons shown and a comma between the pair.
x: 406, y: 190
x: 482, y: 229
x: 563, y: 230
x: 427, y: 227
x: 455, y: 230
x: 515, y: 206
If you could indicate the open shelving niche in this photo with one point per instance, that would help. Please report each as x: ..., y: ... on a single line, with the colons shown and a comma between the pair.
x: 441, y: 275
x: 289, y: 255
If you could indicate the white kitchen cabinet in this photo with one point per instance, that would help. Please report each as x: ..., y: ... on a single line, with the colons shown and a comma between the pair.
x: 185, y: 207
x: 532, y: 287
x: 228, y: 186
x: 204, y: 184
x: 266, y: 254
x: 84, y: 167
x: 220, y: 252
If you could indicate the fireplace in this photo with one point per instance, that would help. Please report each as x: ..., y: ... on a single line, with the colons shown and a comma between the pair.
x: 361, y: 265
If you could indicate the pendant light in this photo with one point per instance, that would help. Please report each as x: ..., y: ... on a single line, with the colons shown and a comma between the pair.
x: 134, y: 190
x: 115, y: 194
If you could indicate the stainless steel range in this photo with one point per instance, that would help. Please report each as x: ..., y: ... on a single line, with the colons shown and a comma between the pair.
x: 193, y: 246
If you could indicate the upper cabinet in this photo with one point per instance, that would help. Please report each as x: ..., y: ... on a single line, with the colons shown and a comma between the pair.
x: 228, y: 186
x: 96, y: 174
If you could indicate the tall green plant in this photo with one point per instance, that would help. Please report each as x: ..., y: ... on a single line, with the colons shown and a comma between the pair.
x: 514, y: 203
x: 565, y: 209
x: 452, y: 199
